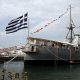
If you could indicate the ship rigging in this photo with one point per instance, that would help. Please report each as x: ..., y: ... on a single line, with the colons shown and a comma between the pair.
x: 70, y: 28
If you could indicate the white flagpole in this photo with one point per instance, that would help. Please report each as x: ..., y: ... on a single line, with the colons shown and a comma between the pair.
x: 28, y: 29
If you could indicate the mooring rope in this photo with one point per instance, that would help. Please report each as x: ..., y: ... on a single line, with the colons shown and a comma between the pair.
x: 6, y: 63
x: 55, y: 54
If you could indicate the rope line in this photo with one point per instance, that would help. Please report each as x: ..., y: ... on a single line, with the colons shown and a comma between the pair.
x: 55, y: 54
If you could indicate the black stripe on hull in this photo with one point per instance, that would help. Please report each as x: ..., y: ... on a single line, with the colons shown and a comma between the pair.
x: 45, y: 62
x: 50, y: 62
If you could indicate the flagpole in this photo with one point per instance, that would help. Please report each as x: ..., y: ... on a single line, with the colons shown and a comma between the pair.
x: 28, y: 30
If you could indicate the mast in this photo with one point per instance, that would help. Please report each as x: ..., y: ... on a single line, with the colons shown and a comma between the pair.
x: 70, y: 29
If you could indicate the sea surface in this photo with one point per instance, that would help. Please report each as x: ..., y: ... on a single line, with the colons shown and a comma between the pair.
x: 20, y: 71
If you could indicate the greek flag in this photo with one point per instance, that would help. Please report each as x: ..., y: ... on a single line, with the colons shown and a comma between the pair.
x: 17, y: 24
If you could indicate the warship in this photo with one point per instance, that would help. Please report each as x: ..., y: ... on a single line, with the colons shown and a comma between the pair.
x: 48, y: 51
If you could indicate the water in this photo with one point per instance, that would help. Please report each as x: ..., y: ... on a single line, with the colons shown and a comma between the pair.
x: 55, y: 72
x: 11, y: 71
x: 58, y: 72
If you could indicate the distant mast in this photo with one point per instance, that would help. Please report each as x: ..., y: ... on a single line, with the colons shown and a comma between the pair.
x: 70, y: 33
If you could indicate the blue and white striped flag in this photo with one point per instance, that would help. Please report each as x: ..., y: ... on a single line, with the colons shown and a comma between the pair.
x: 17, y: 24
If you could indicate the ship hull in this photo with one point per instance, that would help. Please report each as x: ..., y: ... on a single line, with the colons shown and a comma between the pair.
x: 52, y: 55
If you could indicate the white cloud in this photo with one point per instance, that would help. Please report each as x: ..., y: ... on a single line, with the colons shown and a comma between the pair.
x: 39, y: 11
x: 3, y: 33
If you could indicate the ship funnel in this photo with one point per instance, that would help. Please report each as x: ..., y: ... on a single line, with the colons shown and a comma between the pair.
x: 76, y: 40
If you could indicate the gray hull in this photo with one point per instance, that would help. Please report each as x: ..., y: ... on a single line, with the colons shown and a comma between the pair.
x: 52, y: 53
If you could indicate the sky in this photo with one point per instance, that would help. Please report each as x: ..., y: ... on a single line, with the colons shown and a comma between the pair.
x: 40, y: 12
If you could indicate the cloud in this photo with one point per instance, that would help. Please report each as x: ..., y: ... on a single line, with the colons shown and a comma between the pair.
x: 3, y: 33
x: 39, y: 11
